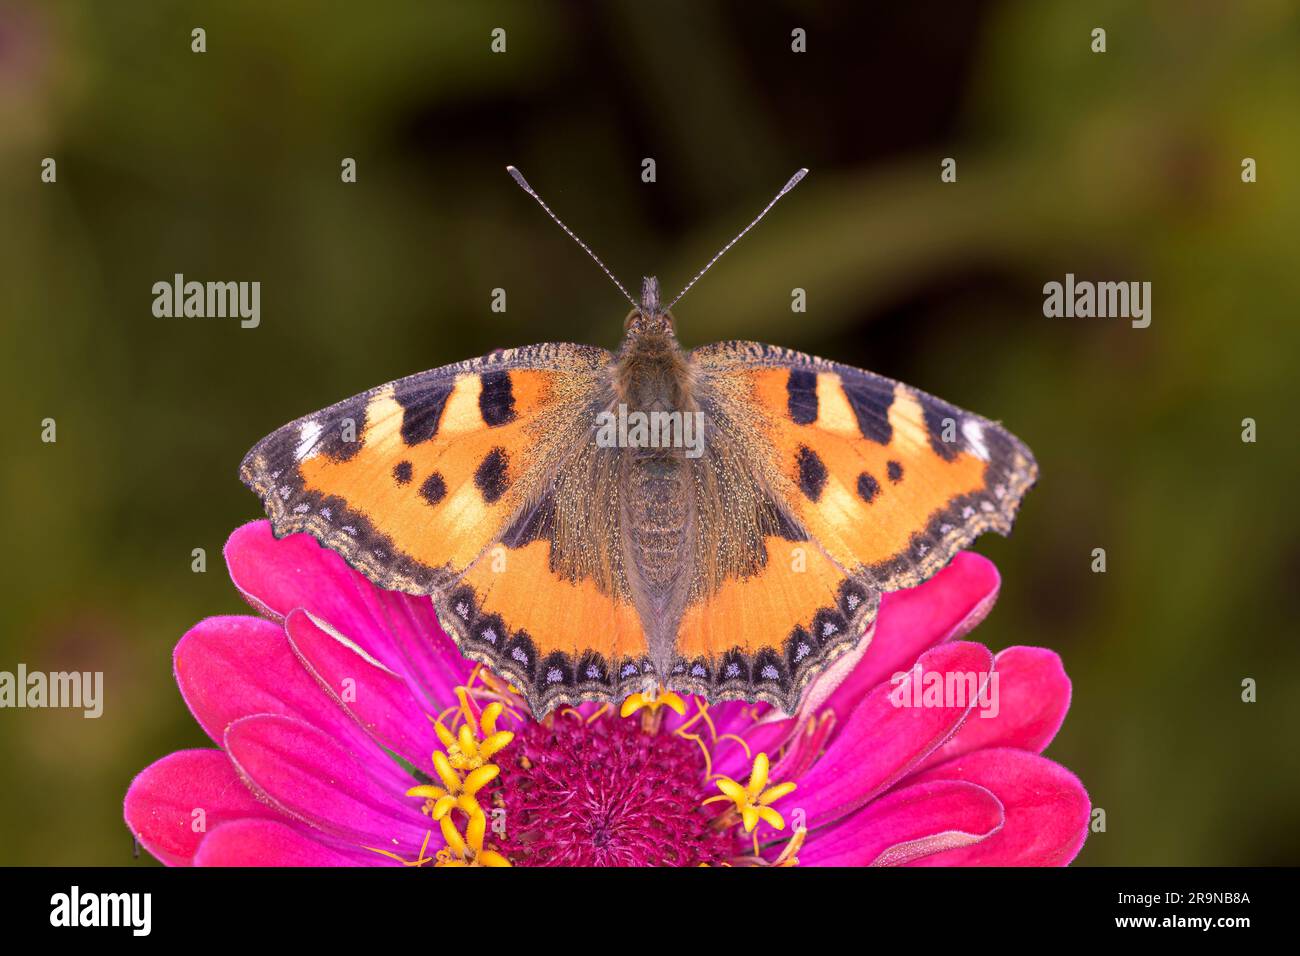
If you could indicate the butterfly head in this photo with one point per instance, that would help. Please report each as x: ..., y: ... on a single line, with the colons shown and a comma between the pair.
x: 650, y: 317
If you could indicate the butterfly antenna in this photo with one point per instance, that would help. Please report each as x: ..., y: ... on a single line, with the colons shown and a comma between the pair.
x: 794, y: 181
x: 523, y: 184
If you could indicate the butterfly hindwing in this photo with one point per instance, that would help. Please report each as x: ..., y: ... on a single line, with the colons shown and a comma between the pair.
x: 765, y: 635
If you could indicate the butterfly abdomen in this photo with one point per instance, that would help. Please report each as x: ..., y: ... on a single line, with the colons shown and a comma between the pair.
x: 657, y: 529
x: 658, y: 516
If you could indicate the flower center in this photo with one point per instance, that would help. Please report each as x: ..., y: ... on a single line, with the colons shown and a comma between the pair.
x: 603, y: 792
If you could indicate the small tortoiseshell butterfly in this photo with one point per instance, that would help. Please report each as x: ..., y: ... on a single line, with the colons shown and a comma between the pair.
x: 582, y: 569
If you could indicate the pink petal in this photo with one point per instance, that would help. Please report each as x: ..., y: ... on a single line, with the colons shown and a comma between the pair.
x: 269, y: 843
x: 1047, y: 809
x: 907, y: 823
x: 430, y: 659
x: 400, y: 631
x: 374, y: 696
x: 944, y: 608
x: 1027, y: 703
x: 162, y: 801
x: 304, y: 773
x: 881, y: 742
x: 233, y: 667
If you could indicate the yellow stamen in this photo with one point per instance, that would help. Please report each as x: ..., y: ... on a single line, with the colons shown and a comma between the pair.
x: 418, y: 861
x: 788, y: 856
x: 713, y: 728
x: 470, y: 748
x: 443, y: 716
x: 455, y: 791
x: 700, y: 712
x: 708, y: 757
x: 488, y: 722
x: 650, y: 705
x: 749, y: 754
x: 752, y: 800
x: 664, y: 698
x: 468, y: 850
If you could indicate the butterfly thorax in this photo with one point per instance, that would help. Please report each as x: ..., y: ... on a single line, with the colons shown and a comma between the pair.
x: 652, y: 373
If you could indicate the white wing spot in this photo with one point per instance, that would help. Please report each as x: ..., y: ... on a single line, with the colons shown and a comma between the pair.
x: 307, y: 436
x: 973, y: 432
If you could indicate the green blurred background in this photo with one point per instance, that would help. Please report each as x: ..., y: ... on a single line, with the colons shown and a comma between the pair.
x: 225, y: 165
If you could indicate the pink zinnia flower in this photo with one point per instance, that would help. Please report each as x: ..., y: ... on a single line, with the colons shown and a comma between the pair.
x: 351, y: 731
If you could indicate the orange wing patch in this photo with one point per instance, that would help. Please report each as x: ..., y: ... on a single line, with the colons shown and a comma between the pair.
x: 764, y: 636
x: 565, y: 638
x: 441, y: 500
x: 861, y: 499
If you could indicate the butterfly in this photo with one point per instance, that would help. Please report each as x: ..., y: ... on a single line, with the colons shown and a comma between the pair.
x: 590, y: 525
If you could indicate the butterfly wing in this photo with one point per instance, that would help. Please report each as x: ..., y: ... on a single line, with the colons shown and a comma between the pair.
x: 882, y: 484
x: 451, y: 483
